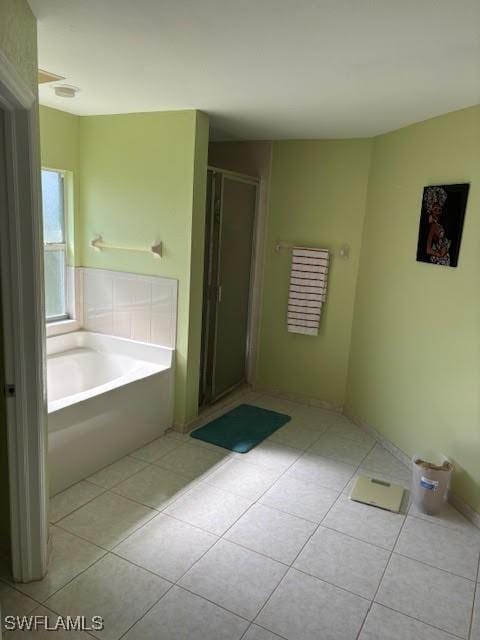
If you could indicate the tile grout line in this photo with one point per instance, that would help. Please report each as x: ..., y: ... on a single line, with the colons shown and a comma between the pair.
x: 256, y: 624
x: 154, y: 464
x: 22, y: 593
x: 387, y: 564
x: 102, y: 492
x: 147, y: 611
x: 449, y: 527
x: 476, y: 592
x: 431, y: 566
x: 307, y: 541
x: 107, y: 489
x: 352, y: 537
x: 104, y: 555
x: 107, y: 549
x: 216, y: 604
x: 257, y: 501
x: 332, y: 584
x: 427, y: 624
x: 43, y: 603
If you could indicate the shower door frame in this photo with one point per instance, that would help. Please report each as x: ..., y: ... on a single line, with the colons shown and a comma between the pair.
x: 24, y: 327
x: 250, y: 354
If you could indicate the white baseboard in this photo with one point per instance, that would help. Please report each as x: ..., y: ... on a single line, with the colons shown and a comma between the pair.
x: 386, y: 444
x: 465, y: 509
x: 457, y: 502
x: 213, y: 411
x: 231, y: 398
x: 299, y: 398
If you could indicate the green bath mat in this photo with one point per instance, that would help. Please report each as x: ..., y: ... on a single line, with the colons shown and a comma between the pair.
x: 242, y: 428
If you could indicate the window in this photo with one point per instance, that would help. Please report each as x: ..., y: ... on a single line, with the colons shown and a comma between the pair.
x: 55, y: 245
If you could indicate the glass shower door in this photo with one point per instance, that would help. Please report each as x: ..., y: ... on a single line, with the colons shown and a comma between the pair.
x: 235, y: 249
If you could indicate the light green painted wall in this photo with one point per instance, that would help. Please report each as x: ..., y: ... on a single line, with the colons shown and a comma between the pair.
x: 59, y: 139
x: 415, y: 358
x: 317, y: 198
x: 18, y: 41
x: 18, y: 38
x: 196, y: 266
x: 140, y: 177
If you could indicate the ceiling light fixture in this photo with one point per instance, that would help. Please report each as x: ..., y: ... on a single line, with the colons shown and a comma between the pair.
x: 65, y: 91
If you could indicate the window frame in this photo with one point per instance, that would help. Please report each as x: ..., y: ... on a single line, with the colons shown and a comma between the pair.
x: 60, y: 246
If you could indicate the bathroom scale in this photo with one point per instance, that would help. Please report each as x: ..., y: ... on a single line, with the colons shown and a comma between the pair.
x: 378, y: 493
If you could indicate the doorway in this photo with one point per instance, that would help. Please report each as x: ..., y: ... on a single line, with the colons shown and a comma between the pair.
x: 229, y: 248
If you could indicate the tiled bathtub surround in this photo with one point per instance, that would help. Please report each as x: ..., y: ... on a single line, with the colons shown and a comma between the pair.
x: 182, y: 540
x: 131, y: 306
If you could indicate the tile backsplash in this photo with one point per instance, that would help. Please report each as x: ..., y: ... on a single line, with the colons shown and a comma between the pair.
x: 130, y: 306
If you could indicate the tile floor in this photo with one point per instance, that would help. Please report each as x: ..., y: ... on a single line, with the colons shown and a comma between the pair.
x: 182, y: 540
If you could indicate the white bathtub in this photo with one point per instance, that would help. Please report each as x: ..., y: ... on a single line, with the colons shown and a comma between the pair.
x: 107, y: 396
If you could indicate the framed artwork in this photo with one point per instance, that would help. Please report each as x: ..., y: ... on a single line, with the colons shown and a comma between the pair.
x: 441, y: 223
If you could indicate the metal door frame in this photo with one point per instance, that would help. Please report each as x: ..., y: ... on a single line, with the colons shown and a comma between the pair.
x: 238, y: 177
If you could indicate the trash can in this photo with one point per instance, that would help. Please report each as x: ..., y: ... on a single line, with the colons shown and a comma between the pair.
x: 430, y: 485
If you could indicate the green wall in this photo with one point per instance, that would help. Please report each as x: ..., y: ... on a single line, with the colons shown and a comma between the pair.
x: 197, y: 247
x: 141, y: 177
x: 317, y: 198
x: 18, y: 41
x: 18, y: 38
x: 415, y: 360
x: 59, y: 139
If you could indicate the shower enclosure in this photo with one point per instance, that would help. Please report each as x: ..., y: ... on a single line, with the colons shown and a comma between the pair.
x: 229, y: 248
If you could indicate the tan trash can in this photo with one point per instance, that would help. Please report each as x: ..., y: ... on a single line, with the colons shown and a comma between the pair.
x: 430, y: 485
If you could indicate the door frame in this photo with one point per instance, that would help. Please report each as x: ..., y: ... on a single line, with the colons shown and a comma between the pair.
x: 256, y: 268
x: 24, y: 327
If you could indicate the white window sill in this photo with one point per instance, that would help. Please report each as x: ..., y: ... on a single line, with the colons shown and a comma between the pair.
x: 62, y: 326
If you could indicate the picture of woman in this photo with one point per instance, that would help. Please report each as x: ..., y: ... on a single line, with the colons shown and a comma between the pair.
x: 441, y: 223
x: 438, y: 245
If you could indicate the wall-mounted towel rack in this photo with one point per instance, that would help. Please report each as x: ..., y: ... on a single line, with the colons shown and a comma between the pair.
x: 156, y: 249
x: 343, y: 252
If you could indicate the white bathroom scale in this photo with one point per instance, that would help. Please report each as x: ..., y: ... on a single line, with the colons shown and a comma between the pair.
x: 378, y: 493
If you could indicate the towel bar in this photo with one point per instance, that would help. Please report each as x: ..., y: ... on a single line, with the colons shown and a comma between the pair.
x: 155, y: 249
x: 343, y: 252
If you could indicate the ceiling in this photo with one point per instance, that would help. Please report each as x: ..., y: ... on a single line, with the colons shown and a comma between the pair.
x: 266, y: 69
